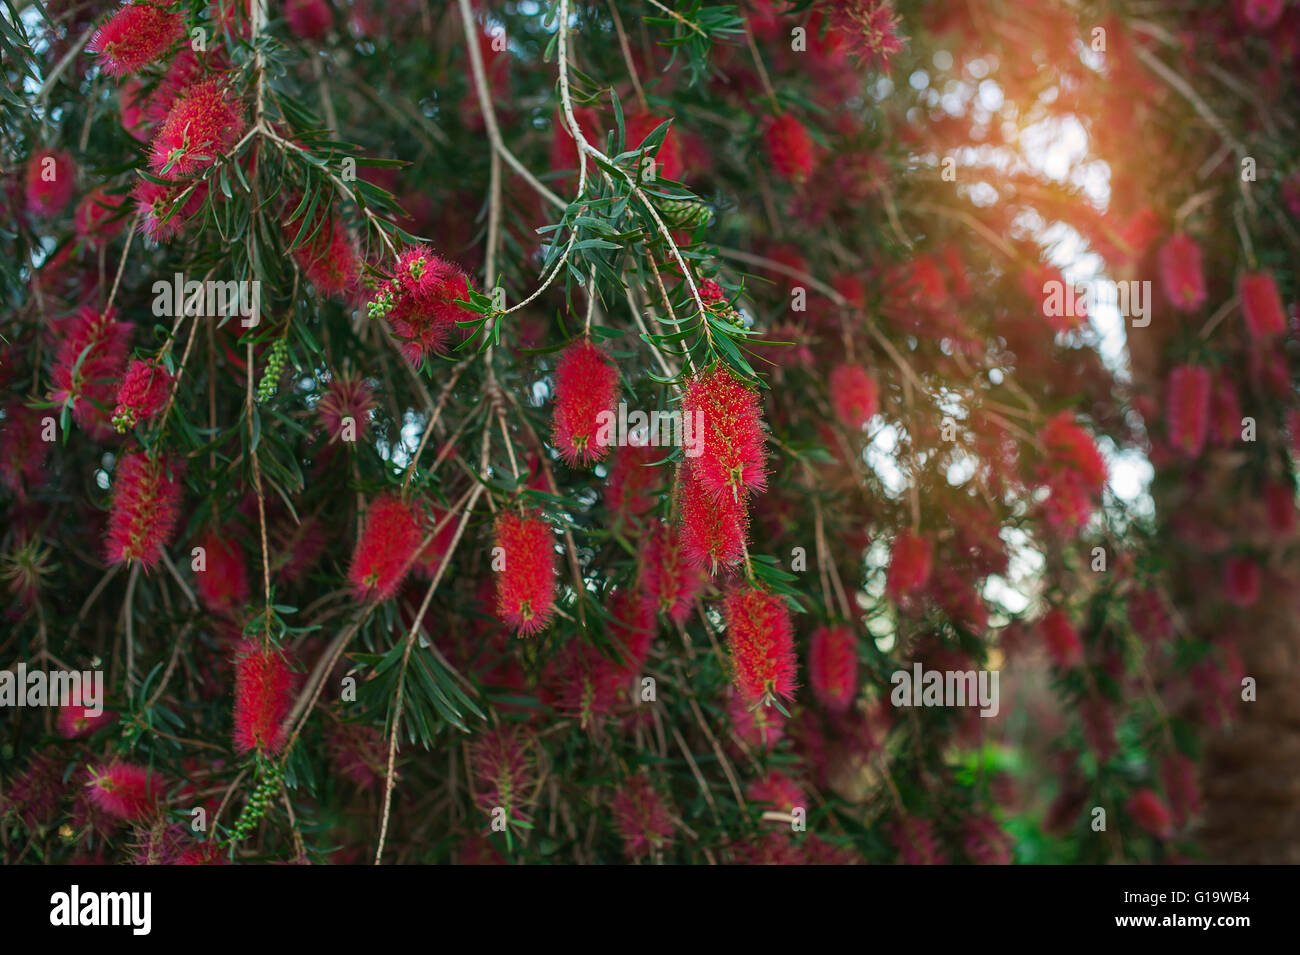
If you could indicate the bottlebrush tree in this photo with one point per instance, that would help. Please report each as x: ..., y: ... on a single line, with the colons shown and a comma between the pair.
x: 332, y: 332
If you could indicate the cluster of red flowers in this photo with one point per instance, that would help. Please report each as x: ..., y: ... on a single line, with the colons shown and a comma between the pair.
x: 420, y: 302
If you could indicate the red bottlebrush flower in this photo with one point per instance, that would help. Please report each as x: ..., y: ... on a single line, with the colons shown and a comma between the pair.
x: 1063, y: 643
x: 504, y: 766
x: 777, y: 791
x: 204, y: 122
x: 668, y: 157
x: 145, y: 508
x: 263, y: 698
x: 789, y: 147
x: 90, y: 381
x: 711, y: 531
x: 641, y: 818
x: 1178, y: 775
x: 1261, y: 305
x: 344, y: 409
x: 586, y: 386
x: 833, y: 667
x: 526, y: 578
x: 671, y: 583
x: 1182, y: 273
x: 760, y: 727
x: 329, y: 259
x: 223, y: 582
x: 1151, y: 813
x: 1279, y: 504
x: 589, y: 685
x: 308, y: 19
x: 871, y: 29
x: 761, y: 641
x: 916, y: 842
x: 137, y: 35
x: 853, y: 395
x: 143, y: 393
x: 420, y: 302
x: 633, y: 481
x: 1259, y: 14
x: 34, y: 794
x: 356, y: 751
x: 94, y: 212
x: 22, y: 451
x: 727, y: 423
x: 385, y: 549
x: 1187, y: 408
x: 1225, y: 412
x: 985, y: 841
x: 1241, y: 580
x: 124, y: 790
x: 1071, y: 447
x: 161, y: 216
x: 51, y: 177
x: 909, y: 565
x: 76, y: 720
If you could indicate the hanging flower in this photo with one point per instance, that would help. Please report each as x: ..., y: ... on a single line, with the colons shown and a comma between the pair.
x: 385, y: 550
x: 525, y: 548
x: 135, y: 36
x: 263, y: 698
x: 586, y: 386
x: 144, y: 510
x: 761, y: 641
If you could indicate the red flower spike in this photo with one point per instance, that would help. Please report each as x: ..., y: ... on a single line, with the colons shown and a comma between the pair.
x: 1241, y: 580
x: 504, y: 769
x: 346, y: 397
x: 421, y: 302
x: 526, y: 578
x: 854, y: 396
x: 1261, y: 305
x: 789, y: 147
x: 1150, y: 812
x: 731, y: 438
x: 145, y: 508
x: 329, y: 259
x: 761, y: 641
x: 1187, y: 408
x: 1061, y: 638
x: 871, y: 29
x: 124, y: 790
x: 909, y: 565
x: 633, y: 481
x: 223, y: 582
x: 586, y: 385
x: 77, y: 722
x: 641, y: 818
x: 88, y: 366
x: 203, y: 123
x: 387, y: 544
x: 263, y: 698
x: 711, y: 531
x: 51, y: 178
x: 137, y: 35
x: 308, y: 19
x: 1182, y: 273
x: 144, y: 391
x: 833, y: 667
x: 671, y: 582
